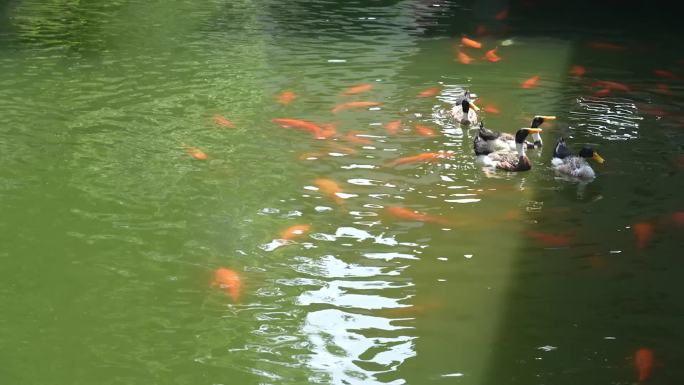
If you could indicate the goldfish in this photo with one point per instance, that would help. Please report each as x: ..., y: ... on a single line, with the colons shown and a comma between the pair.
x: 404, y: 213
x: 643, y: 362
x: 229, y: 281
x: 393, y: 126
x: 578, y: 71
x: 464, y: 58
x: 643, y: 231
x: 665, y: 74
x: 663, y: 89
x: 306, y: 125
x: 606, y: 46
x: 358, y: 104
x: 357, y: 89
x: 611, y: 85
x: 286, y: 97
x: 330, y: 188
x: 311, y: 156
x: 550, y: 240
x: 327, y: 131
x: 222, y: 121
x: 602, y: 92
x: 531, y: 82
x: 195, y: 152
x: 343, y: 149
x: 424, y: 130
x: 678, y: 218
x: 352, y: 137
x: 492, y: 56
x: 470, y: 43
x: 491, y: 109
x: 294, y: 232
x: 428, y: 92
x: 424, y: 157
x: 502, y: 15
x: 481, y: 30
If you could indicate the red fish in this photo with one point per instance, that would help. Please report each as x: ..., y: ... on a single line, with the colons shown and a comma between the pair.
x: 481, y: 30
x: 330, y: 188
x: 643, y: 362
x: 464, y: 58
x: 286, y: 97
x: 678, y: 218
x: 491, y: 109
x: 357, y: 89
x: 229, y: 281
x: 393, y: 126
x: 606, y: 46
x: 352, y: 137
x: 327, y: 131
x: 404, y: 213
x: 665, y: 74
x: 531, y: 82
x: 429, y: 92
x: 222, y: 121
x: 578, y: 71
x: 492, y: 56
x: 358, y: 104
x: 424, y: 130
x: 663, y: 89
x: 195, y: 152
x: 294, y: 232
x: 424, y: 157
x: 550, y: 240
x: 342, y: 149
x: 313, y: 128
x: 311, y: 156
x: 503, y: 15
x: 470, y: 43
x: 602, y: 92
x: 643, y: 231
x: 617, y: 86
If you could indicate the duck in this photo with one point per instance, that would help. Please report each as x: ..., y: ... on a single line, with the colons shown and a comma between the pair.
x: 512, y: 161
x: 576, y: 166
x: 465, y: 112
x: 488, y: 141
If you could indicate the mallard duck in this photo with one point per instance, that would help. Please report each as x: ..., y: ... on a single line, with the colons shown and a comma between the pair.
x: 465, y: 112
x: 512, y: 161
x: 574, y: 165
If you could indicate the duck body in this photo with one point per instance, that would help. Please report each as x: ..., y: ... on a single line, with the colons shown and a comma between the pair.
x: 575, y: 166
x: 465, y: 112
x: 488, y: 141
x: 507, y: 160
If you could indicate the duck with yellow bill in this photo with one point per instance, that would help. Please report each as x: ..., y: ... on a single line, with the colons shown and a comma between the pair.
x: 465, y: 111
x: 488, y: 141
x: 511, y: 161
x: 576, y: 166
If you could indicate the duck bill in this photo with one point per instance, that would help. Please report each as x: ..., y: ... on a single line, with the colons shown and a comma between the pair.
x: 547, y: 117
x: 597, y: 158
x: 473, y: 106
x: 533, y: 130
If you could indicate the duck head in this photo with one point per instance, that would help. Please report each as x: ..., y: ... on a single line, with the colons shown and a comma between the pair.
x: 588, y: 152
x: 536, y: 122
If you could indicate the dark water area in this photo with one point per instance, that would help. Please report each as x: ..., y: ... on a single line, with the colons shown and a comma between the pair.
x: 142, y: 166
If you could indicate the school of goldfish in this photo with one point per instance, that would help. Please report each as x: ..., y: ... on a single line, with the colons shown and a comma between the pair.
x: 469, y: 51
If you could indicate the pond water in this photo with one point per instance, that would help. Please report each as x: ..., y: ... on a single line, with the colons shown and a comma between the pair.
x: 139, y: 154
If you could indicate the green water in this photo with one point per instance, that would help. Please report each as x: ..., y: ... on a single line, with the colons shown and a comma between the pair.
x: 110, y: 231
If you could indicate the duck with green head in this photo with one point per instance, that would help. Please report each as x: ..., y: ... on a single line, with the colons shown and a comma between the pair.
x: 576, y: 166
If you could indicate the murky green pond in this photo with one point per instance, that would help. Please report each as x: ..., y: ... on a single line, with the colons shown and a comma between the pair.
x: 139, y: 154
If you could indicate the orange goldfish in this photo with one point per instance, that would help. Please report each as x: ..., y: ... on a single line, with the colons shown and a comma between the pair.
x: 327, y: 131
x: 306, y: 125
x: 294, y: 232
x: 643, y: 231
x: 423, y: 130
x: 481, y: 30
x: 503, y: 15
x: 602, y: 92
x: 393, y: 126
x: 195, y: 152
x: 491, y: 109
x: 470, y: 43
x: 343, y: 149
x: 358, y: 104
x: 643, y: 362
x: 357, y: 89
x: 428, y: 92
x: 330, y: 188
x: 229, y: 281
x: 311, y: 156
x: 665, y: 74
x: 663, y: 89
x: 286, y: 97
x: 464, y: 58
x: 578, y: 71
x: 550, y: 240
x: 222, y: 121
x: 411, y: 215
x: 352, y: 137
x: 606, y: 46
x: 531, y: 82
x: 424, y: 157
x: 492, y: 56
x: 611, y: 85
